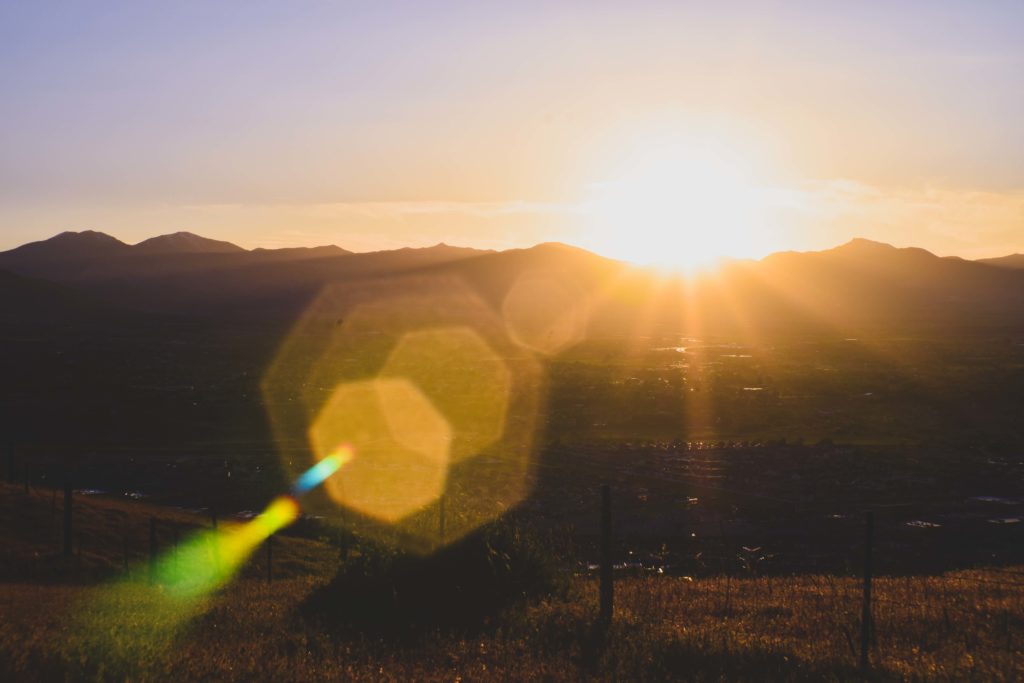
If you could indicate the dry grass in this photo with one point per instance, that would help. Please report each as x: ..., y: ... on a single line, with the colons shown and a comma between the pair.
x: 110, y: 534
x: 959, y: 626
x: 801, y: 628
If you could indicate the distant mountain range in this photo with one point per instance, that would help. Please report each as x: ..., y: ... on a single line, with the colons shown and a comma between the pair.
x: 185, y: 273
x: 1011, y: 261
x: 856, y: 285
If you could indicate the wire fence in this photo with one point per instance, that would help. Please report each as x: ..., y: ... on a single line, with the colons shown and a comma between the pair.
x: 957, y: 614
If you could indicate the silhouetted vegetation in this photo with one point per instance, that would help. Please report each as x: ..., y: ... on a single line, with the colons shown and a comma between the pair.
x: 386, y: 591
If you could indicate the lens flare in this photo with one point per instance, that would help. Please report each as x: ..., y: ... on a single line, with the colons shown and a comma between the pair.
x: 130, y: 620
x: 438, y: 401
x: 403, y: 444
x: 318, y: 473
x: 209, y: 559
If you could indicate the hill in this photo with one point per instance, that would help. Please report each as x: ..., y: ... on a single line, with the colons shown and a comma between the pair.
x: 1011, y: 261
x: 858, y: 285
x: 864, y: 284
x: 188, y: 274
x: 64, y: 625
x: 185, y: 243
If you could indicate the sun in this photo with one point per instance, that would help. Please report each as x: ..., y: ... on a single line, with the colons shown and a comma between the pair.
x: 680, y: 203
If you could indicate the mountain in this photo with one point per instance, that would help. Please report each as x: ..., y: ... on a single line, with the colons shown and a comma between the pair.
x: 857, y: 285
x: 865, y: 283
x: 185, y: 243
x: 1011, y: 261
x: 86, y: 243
x: 298, y: 253
x: 68, y: 253
x: 189, y: 274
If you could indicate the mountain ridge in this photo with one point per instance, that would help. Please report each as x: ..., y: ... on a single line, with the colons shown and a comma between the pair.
x: 860, y: 282
x: 1008, y: 261
x: 185, y: 242
x: 93, y: 242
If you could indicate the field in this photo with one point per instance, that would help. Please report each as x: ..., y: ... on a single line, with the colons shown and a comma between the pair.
x: 739, y: 469
x: 91, y: 620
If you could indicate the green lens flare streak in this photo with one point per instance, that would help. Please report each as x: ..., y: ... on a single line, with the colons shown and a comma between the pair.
x: 128, y: 621
x: 208, y: 560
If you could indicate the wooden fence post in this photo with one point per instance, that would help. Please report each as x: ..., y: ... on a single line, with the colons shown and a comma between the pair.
x: 67, y: 517
x: 152, y: 550
x: 607, y: 589
x: 865, y: 620
x: 270, y: 558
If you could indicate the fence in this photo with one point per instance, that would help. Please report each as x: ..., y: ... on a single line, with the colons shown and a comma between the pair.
x: 978, y: 612
x: 882, y: 608
x: 52, y: 518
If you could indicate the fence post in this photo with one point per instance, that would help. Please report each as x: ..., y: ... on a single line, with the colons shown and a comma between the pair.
x: 865, y: 620
x: 440, y: 518
x: 270, y: 558
x: 607, y: 589
x: 152, y: 550
x: 67, y: 517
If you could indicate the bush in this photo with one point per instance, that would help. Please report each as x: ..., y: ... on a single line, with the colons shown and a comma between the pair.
x: 387, y: 592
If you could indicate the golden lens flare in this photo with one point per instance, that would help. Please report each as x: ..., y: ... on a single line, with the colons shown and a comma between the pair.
x: 421, y: 379
x: 401, y: 442
x: 463, y: 377
x: 545, y: 312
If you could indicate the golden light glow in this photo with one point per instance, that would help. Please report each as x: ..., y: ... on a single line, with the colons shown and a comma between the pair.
x: 432, y: 404
x: 463, y: 378
x: 545, y: 312
x: 679, y: 202
x: 401, y: 443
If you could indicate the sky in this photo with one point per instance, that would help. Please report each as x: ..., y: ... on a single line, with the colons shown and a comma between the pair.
x: 636, y: 129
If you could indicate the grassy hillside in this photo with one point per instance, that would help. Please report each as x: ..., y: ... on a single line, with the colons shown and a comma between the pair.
x: 65, y: 624
x: 110, y: 535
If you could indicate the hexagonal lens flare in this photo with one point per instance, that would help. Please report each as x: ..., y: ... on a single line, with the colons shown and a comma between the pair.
x: 545, y: 312
x: 401, y: 447
x: 463, y: 377
x: 438, y: 405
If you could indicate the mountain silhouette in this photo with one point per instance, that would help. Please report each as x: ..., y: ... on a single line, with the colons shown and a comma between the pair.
x: 1011, y: 261
x: 185, y: 243
x: 298, y: 253
x: 858, y: 284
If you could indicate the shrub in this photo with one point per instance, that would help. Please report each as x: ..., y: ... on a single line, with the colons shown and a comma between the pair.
x: 385, y: 591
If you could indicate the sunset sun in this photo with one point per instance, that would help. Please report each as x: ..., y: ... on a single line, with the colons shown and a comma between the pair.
x: 679, y: 203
